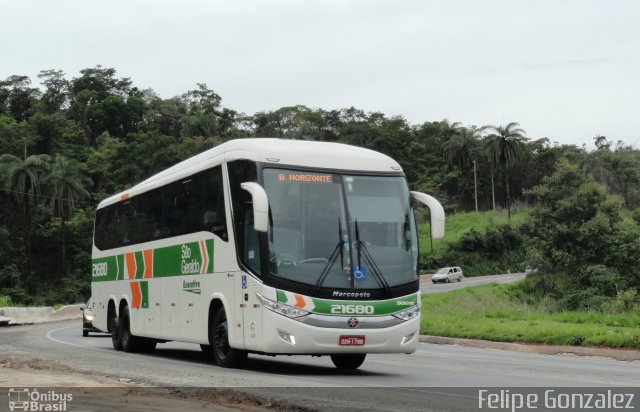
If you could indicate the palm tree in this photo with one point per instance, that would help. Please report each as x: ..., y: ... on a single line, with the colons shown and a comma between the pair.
x: 458, y: 150
x: 505, y: 147
x: 450, y: 130
x: 23, y: 177
x: 66, y: 185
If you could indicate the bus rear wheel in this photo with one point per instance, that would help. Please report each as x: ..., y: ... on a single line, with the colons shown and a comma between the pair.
x: 114, y: 328
x: 131, y: 343
x: 348, y: 362
x: 224, y: 355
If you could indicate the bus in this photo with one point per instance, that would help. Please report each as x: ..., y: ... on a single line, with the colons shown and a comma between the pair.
x: 264, y: 246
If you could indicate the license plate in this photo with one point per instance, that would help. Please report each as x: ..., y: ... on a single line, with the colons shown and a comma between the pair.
x: 351, y: 340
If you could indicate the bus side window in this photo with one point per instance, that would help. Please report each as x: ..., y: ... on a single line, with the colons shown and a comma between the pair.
x: 212, y: 210
x: 126, y: 220
x: 244, y: 171
x: 251, y: 247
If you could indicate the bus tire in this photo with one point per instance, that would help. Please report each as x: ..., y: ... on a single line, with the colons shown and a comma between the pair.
x: 224, y: 355
x: 116, y: 340
x: 206, y: 348
x: 130, y: 343
x: 147, y: 345
x: 348, y: 362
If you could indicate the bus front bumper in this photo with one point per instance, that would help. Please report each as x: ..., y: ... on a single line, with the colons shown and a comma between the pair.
x: 282, y: 335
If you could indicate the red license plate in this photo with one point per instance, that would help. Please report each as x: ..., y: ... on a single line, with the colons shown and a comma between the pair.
x: 351, y: 340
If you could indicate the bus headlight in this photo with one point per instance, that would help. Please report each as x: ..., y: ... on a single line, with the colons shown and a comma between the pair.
x: 407, y: 314
x: 281, y: 308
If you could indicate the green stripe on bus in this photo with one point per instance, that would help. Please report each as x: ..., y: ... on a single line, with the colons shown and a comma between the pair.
x: 178, y: 260
x: 104, y: 269
x: 139, y: 265
x: 144, y: 289
x: 380, y: 307
x: 209, y: 246
x: 356, y: 307
x: 120, y: 267
x: 281, y: 296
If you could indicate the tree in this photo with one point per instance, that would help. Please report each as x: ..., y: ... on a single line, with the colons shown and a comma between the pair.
x: 459, y: 150
x: 202, y: 116
x: 17, y: 98
x: 100, y: 102
x: 449, y: 129
x: 67, y: 184
x: 585, y: 251
x: 24, y: 179
x: 55, y: 97
x: 505, y: 147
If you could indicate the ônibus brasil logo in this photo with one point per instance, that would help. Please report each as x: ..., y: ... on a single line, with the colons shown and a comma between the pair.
x: 24, y: 399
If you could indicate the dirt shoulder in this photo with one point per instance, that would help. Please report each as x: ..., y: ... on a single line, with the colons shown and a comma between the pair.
x: 25, y: 372
x: 618, y: 354
x: 107, y: 394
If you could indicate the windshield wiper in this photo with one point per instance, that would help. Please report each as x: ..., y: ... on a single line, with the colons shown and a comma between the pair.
x: 332, y: 259
x: 363, y: 252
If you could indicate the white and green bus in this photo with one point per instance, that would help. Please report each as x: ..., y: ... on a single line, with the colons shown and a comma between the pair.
x: 264, y: 246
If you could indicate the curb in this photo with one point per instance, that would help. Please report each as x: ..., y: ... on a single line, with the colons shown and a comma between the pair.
x: 618, y: 354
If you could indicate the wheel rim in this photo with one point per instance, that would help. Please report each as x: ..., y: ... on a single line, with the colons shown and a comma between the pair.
x: 221, y: 342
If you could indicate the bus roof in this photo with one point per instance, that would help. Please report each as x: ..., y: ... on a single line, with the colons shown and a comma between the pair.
x: 269, y: 150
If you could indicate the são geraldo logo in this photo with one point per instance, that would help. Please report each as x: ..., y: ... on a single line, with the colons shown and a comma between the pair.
x: 24, y: 399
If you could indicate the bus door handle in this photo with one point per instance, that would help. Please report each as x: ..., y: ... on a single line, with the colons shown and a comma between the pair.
x: 246, y: 297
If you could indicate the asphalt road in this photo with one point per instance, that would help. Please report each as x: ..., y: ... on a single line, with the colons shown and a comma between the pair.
x: 426, y: 286
x: 384, y: 382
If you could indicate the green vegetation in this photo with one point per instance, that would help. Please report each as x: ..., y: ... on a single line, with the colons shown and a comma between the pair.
x: 460, y: 223
x: 500, y: 313
x: 74, y: 141
x: 5, y: 301
x: 586, y: 255
x: 482, y: 243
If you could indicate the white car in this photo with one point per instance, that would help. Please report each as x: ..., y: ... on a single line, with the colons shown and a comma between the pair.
x: 447, y: 275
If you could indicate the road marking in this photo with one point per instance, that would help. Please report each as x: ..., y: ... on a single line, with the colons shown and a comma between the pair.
x: 48, y: 336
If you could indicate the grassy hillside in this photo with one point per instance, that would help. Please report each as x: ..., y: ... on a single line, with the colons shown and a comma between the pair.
x: 494, y: 312
x: 494, y: 253
x: 457, y: 224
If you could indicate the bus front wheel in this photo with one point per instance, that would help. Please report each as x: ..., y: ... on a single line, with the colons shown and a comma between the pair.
x: 224, y: 355
x: 348, y: 362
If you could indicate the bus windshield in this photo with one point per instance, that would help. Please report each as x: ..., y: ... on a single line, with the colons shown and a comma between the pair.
x: 340, y: 231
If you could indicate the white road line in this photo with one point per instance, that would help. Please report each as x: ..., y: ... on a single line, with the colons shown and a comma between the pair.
x: 48, y: 336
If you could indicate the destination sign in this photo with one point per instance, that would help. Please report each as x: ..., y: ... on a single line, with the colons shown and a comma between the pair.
x: 305, y: 177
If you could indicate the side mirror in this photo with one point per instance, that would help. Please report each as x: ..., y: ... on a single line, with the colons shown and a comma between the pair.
x: 437, y: 213
x: 260, y: 205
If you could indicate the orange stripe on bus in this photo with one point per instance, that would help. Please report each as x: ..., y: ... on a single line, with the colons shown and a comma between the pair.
x: 148, y: 263
x: 136, y: 295
x: 205, y: 261
x: 131, y: 264
x: 299, y: 301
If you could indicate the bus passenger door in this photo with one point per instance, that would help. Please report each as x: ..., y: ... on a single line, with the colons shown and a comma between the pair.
x: 250, y: 285
x: 252, y: 313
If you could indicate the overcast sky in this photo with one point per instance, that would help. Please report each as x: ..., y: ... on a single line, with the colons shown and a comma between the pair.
x: 566, y: 70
